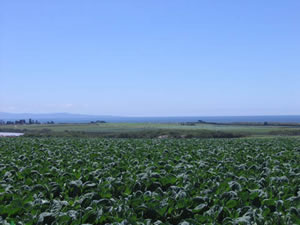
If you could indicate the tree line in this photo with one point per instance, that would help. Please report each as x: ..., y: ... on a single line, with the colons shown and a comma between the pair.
x: 23, y: 122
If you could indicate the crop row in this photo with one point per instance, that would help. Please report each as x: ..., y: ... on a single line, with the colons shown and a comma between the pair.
x: 149, y: 181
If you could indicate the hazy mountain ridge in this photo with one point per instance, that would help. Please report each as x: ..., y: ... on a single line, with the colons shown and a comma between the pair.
x: 56, y: 117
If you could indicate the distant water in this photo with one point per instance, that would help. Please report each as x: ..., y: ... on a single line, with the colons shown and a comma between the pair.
x: 80, y: 118
x: 218, y: 119
x: 10, y: 134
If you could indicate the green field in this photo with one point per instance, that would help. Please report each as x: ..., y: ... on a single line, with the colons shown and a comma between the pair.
x: 149, y: 181
x: 150, y: 130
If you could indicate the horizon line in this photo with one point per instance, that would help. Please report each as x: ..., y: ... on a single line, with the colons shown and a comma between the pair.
x: 169, y: 116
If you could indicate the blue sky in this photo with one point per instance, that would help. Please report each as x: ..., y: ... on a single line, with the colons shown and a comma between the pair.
x: 150, y: 58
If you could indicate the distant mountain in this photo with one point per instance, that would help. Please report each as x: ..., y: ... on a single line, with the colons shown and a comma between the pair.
x: 81, y: 118
x: 56, y: 117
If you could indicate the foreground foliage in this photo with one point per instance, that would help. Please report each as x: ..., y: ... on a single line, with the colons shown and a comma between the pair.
x: 172, y: 181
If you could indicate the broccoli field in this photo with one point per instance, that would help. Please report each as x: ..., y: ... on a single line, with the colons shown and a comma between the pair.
x: 149, y: 181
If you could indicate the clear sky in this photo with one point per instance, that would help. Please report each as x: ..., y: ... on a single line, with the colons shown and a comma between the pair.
x: 150, y: 58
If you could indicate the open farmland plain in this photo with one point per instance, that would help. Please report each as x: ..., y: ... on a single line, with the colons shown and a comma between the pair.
x: 149, y: 181
x: 151, y: 130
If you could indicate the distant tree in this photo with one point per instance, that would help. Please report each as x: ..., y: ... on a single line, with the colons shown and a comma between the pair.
x: 2, y: 122
x: 20, y: 122
x: 9, y: 122
x: 266, y: 123
x: 100, y: 121
x: 49, y: 122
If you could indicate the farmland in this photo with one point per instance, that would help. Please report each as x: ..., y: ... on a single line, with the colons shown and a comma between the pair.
x: 150, y: 130
x: 149, y: 181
